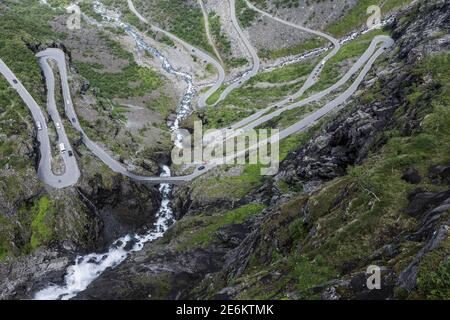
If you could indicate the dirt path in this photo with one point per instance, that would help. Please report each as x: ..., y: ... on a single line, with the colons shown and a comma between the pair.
x: 208, y: 31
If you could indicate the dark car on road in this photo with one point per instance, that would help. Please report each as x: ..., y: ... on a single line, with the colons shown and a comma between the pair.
x: 201, y: 168
x: 70, y: 153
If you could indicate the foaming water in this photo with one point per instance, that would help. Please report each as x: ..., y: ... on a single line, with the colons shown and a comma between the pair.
x: 89, y: 267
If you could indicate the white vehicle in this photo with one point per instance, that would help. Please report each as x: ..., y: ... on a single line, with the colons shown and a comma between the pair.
x: 62, y: 148
x: 57, y: 125
x: 39, y: 125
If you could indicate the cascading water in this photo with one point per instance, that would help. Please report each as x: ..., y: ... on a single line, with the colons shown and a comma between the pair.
x: 89, y: 267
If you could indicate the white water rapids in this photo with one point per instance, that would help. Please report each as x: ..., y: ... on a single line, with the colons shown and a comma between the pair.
x: 89, y: 267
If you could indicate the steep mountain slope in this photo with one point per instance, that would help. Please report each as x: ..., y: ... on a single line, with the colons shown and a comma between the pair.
x: 368, y: 185
x: 42, y: 228
x: 371, y: 188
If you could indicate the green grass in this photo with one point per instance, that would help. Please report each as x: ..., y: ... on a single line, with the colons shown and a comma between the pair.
x: 163, y: 105
x: 223, y: 44
x: 379, y: 192
x: 371, y: 212
x: 231, y: 188
x: 236, y: 216
x: 236, y: 62
x: 179, y: 17
x: 20, y: 23
x: 333, y: 70
x: 245, y: 15
x: 243, y: 101
x: 216, y: 95
x: 285, y: 74
x: 203, y: 227
x: 433, y: 279
x: 131, y: 81
x: 42, y: 225
x: 299, y: 48
x: 357, y: 15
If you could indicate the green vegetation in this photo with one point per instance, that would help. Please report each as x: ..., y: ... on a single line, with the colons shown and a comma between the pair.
x: 200, y: 230
x: 163, y: 105
x: 245, y: 15
x: 334, y: 69
x: 210, y: 224
x: 285, y: 74
x: 4, y: 241
x: 357, y: 15
x: 216, y: 95
x: 433, y: 279
x: 236, y: 62
x: 222, y: 41
x: 371, y: 214
x: 132, y: 81
x: 244, y: 101
x: 86, y: 8
x: 21, y: 23
x: 299, y: 48
x: 230, y: 187
x: 43, y: 213
x: 183, y: 19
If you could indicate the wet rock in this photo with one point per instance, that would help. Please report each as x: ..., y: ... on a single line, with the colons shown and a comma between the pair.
x: 22, y: 277
x: 130, y: 244
x: 440, y: 174
x: 161, y: 274
x: 330, y: 294
x: 408, y: 277
x: 412, y: 176
x: 232, y: 235
x: 421, y: 201
x: 85, y: 87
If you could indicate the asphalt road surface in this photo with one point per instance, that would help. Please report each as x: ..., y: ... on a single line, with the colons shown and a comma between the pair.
x: 45, y: 173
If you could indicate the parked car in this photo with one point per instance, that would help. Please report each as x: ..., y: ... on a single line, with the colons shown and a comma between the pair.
x: 70, y: 153
x: 57, y: 125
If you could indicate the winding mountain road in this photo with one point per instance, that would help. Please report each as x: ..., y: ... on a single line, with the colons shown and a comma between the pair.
x: 251, y: 50
x: 58, y: 56
x: 45, y: 173
x: 309, y: 82
x: 378, y: 46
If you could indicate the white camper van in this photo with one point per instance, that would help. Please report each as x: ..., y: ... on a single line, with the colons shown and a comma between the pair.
x: 62, y: 148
